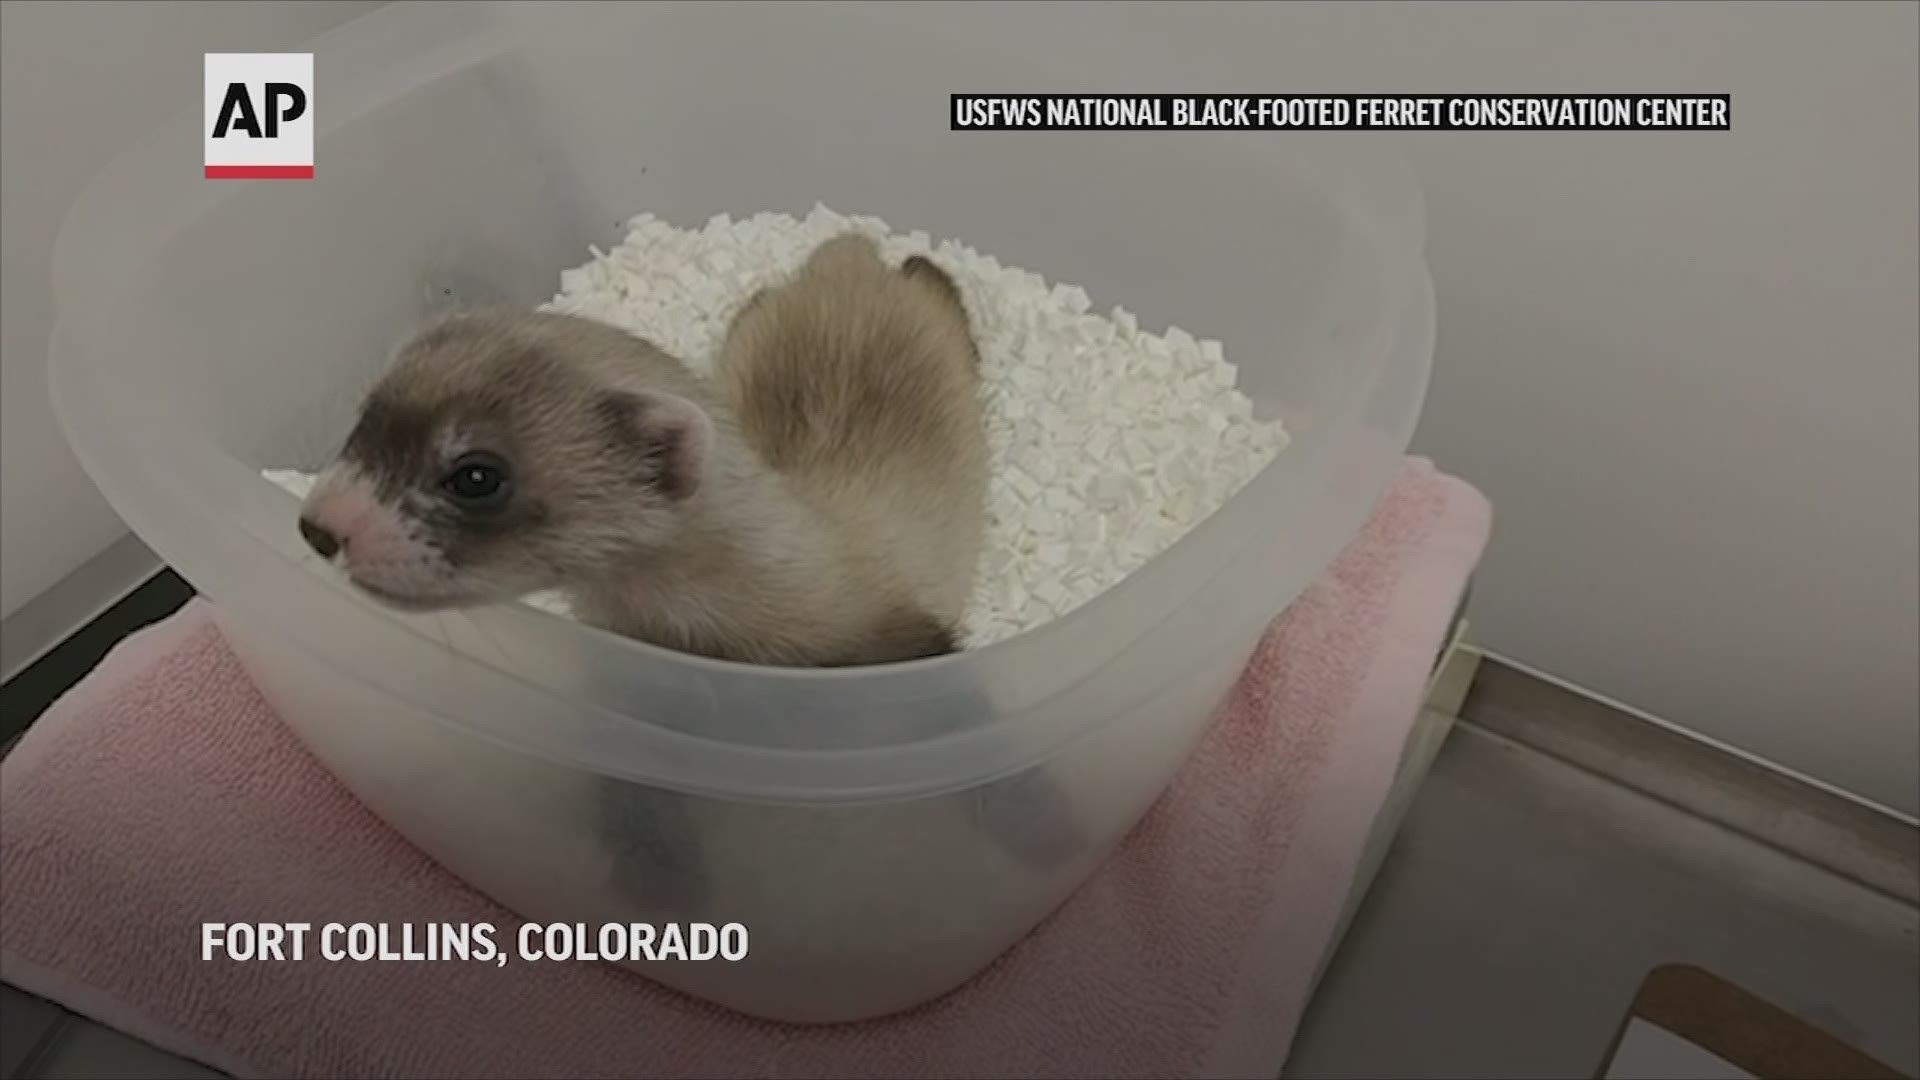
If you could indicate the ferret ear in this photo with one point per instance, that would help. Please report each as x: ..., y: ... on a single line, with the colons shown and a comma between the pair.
x: 671, y: 437
x: 921, y: 268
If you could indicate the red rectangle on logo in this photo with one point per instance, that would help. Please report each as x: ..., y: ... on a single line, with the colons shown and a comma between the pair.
x: 259, y: 172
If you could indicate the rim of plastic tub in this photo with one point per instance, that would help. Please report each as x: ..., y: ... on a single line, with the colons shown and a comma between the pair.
x: 397, y: 49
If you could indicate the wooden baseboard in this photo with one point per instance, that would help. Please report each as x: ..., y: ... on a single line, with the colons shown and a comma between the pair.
x: 1740, y: 1028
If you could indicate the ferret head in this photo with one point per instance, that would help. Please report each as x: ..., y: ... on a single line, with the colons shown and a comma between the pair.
x: 492, y: 461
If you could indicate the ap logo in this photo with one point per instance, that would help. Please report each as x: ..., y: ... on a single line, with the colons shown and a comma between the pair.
x: 259, y: 116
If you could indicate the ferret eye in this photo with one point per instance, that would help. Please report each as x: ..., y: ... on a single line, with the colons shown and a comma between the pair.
x: 478, y: 481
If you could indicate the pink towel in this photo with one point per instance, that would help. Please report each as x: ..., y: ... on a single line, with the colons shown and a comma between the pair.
x: 162, y: 792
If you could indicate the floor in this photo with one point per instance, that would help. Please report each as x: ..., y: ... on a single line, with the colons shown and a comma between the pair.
x: 1525, y: 900
x: 1506, y: 932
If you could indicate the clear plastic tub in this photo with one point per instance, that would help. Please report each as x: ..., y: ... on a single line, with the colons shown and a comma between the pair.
x: 883, y: 834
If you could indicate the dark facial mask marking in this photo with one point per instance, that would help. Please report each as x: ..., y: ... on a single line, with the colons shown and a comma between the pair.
x: 393, y: 445
x: 464, y: 537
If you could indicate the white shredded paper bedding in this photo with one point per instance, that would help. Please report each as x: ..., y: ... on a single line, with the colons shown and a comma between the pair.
x: 1108, y: 443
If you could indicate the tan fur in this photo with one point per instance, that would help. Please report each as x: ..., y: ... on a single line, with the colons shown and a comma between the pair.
x: 859, y: 383
x: 856, y: 385
x: 839, y: 508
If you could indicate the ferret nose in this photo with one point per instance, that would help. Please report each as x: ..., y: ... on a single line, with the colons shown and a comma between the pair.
x: 322, y: 541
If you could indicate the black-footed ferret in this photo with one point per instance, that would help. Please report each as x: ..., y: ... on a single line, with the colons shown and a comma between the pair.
x: 820, y: 501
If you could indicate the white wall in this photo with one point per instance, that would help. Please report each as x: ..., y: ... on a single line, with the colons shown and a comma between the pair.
x: 1682, y: 365
x: 77, y: 81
